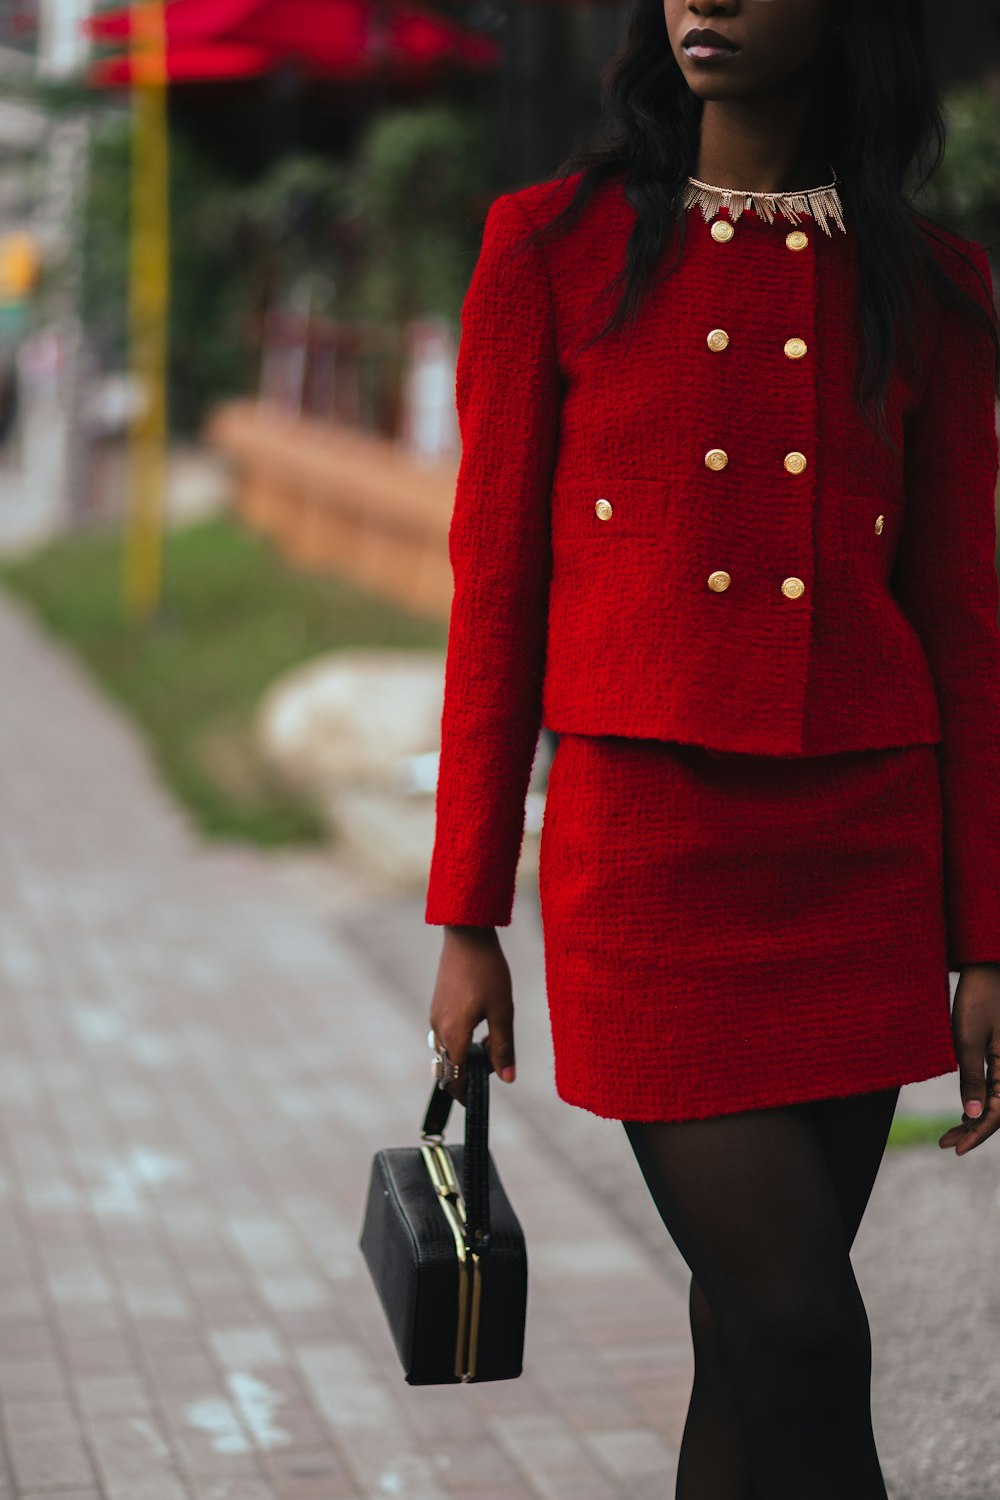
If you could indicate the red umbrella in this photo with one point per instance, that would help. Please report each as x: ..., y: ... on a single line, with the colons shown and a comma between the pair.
x: 342, y: 38
x: 189, y: 64
x: 188, y: 21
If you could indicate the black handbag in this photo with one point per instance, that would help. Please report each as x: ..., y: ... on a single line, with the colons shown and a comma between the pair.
x: 445, y: 1248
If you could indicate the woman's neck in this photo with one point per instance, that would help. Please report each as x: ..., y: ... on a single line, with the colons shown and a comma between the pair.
x: 770, y: 148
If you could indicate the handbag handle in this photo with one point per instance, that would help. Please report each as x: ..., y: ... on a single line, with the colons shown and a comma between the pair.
x: 476, y: 1162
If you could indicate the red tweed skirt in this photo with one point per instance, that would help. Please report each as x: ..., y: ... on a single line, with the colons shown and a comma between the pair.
x: 728, y: 931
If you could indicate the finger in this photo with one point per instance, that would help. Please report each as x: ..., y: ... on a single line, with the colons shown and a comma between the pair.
x: 499, y: 1043
x: 971, y: 1133
x: 958, y: 1132
x: 980, y: 1130
x: 993, y: 1070
x: 971, y: 1055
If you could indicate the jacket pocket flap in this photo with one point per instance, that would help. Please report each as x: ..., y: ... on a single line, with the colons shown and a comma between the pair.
x: 609, y: 507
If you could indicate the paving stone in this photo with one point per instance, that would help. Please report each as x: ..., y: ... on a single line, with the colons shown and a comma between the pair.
x: 43, y: 1459
x: 60, y: 1494
x: 557, y: 1463
x: 31, y: 1377
x: 632, y: 1452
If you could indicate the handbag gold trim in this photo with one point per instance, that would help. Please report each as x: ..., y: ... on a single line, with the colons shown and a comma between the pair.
x: 442, y: 1174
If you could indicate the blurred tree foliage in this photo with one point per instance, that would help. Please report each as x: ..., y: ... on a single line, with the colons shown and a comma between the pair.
x: 965, y: 191
x: 105, y: 243
x: 292, y: 224
x: 387, y: 236
x: 420, y: 177
x: 420, y: 171
x: 210, y: 287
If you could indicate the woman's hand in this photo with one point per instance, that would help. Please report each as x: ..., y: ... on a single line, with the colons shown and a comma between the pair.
x: 975, y: 1022
x: 473, y: 985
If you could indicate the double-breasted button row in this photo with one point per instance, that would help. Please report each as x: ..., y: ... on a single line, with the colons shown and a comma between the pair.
x: 722, y: 232
x: 719, y: 581
x: 717, y: 339
x: 717, y: 459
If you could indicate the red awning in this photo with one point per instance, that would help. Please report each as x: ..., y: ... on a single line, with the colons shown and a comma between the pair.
x: 338, y: 38
x: 189, y: 64
x: 188, y: 21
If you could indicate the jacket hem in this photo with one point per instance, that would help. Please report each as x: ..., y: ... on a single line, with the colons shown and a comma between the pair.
x: 620, y: 726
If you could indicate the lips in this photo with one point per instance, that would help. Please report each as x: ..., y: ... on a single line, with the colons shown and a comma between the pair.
x: 705, y: 44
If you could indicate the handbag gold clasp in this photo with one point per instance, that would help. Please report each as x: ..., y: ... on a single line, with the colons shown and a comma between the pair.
x: 442, y: 1175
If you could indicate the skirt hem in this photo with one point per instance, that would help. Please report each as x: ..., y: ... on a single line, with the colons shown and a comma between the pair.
x: 778, y: 1096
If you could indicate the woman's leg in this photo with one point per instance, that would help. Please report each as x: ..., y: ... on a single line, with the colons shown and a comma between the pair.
x: 713, y: 1462
x: 764, y: 1206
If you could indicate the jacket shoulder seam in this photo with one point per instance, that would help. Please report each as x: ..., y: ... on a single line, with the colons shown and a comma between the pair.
x: 514, y: 201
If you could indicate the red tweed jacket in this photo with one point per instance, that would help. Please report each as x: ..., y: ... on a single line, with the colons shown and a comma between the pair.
x: 691, y: 534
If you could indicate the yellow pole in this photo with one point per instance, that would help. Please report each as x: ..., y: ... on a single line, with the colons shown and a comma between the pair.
x: 149, y: 278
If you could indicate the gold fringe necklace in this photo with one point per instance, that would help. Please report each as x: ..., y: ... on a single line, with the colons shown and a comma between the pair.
x: 820, y: 203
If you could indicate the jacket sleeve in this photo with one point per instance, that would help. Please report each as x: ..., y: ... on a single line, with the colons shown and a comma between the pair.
x: 508, y: 391
x: 945, y: 578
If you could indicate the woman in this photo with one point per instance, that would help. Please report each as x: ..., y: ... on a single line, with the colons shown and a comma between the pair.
x: 724, y: 522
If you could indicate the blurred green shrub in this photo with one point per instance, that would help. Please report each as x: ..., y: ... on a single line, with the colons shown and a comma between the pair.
x: 965, y: 191
x: 295, y: 227
x: 419, y: 173
x: 210, y: 288
x: 385, y: 236
x: 105, y: 242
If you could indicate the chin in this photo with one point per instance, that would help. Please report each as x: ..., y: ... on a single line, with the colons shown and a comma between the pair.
x: 711, y: 89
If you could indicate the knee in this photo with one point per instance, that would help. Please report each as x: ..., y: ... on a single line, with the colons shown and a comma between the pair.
x: 801, y: 1340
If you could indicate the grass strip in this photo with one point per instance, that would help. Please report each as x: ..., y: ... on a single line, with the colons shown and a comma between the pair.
x: 235, y: 618
x: 921, y: 1130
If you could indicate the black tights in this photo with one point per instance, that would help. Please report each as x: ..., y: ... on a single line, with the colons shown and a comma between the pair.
x: 764, y: 1206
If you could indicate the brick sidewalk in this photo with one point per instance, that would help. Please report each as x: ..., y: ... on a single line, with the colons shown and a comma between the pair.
x: 193, y: 1076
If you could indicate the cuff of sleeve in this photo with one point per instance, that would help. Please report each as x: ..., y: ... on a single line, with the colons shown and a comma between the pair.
x: 445, y: 911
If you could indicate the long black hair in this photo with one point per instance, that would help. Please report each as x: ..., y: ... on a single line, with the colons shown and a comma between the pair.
x: 885, y: 135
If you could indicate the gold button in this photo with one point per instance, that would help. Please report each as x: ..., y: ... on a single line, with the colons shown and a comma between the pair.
x: 879, y: 523
x: 719, y: 581
x: 795, y: 348
x: 793, y: 588
x: 718, y: 339
x: 795, y: 462
x: 722, y: 231
x: 716, y: 458
x: 604, y: 510
x: 797, y: 240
